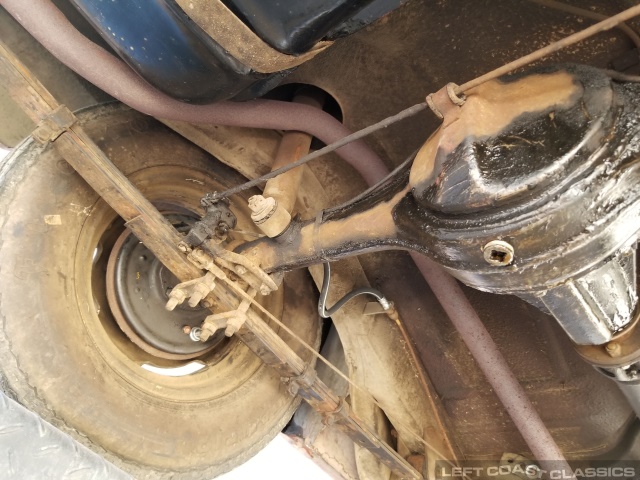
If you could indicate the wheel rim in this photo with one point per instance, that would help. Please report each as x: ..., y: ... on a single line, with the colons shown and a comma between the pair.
x: 138, y: 287
x: 146, y: 368
x: 86, y: 372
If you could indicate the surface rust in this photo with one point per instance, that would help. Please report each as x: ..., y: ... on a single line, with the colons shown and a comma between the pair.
x: 373, y: 64
x: 364, y: 351
x: 238, y: 39
x: 489, y: 109
x: 161, y: 238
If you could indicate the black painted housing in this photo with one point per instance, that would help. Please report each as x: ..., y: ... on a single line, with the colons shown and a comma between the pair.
x: 561, y: 185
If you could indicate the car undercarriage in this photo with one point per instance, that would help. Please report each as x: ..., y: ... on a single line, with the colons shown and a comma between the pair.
x: 402, y: 232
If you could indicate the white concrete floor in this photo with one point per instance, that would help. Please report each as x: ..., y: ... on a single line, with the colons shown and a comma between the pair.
x: 279, y: 460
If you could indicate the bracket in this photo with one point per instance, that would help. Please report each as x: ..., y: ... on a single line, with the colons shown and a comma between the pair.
x: 304, y: 380
x: 231, y: 321
x: 54, y: 125
x: 195, y: 290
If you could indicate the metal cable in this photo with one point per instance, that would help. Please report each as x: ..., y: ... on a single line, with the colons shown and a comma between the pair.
x: 406, y: 113
x: 582, y: 12
x: 604, y: 25
x: 374, y: 187
x: 520, y: 409
x: 158, y: 105
x: 335, y: 369
x: 622, y: 77
x: 324, y: 291
x: 47, y: 24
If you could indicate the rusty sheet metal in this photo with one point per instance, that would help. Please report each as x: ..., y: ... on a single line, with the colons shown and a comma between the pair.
x: 236, y: 38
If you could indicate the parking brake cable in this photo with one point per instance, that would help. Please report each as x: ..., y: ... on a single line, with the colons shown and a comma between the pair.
x: 454, y: 92
x: 322, y: 302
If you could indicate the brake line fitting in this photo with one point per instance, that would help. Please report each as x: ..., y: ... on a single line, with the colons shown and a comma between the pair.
x: 194, y: 334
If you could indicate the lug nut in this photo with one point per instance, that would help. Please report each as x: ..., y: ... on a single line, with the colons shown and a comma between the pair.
x: 203, y: 334
x: 206, y: 304
x: 230, y: 330
x: 175, y: 298
x: 186, y: 329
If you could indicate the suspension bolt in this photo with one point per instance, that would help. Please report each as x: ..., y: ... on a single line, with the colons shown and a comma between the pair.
x: 498, y: 253
x: 613, y: 349
x: 175, y: 298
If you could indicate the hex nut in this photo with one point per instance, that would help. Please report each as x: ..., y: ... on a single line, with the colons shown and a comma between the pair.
x: 498, y: 253
x: 203, y: 335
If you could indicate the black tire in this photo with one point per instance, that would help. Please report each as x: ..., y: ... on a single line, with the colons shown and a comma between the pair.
x: 63, y: 356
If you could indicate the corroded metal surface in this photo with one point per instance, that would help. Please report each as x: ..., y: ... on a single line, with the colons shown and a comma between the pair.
x: 567, y: 391
x: 237, y: 38
x: 385, y: 351
x: 506, y: 30
x: 475, y: 166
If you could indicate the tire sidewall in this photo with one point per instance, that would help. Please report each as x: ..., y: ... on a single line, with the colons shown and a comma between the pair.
x: 49, y: 345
